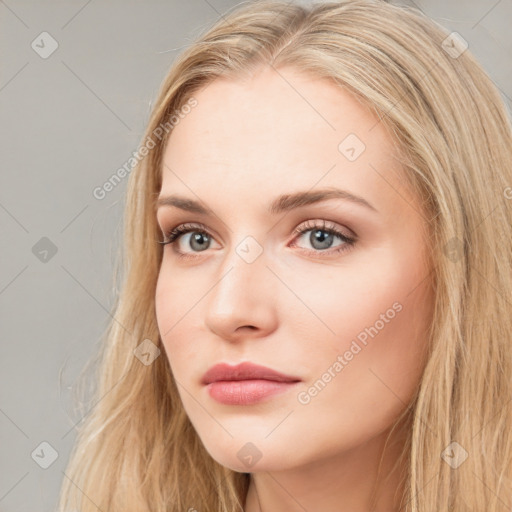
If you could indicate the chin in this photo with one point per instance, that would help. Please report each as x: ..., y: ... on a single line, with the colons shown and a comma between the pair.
x: 245, y: 456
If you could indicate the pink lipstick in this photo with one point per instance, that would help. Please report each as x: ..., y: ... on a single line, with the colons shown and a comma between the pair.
x: 245, y: 383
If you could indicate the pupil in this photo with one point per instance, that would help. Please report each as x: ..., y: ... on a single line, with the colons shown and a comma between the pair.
x: 199, y: 238
x: 321, y: 236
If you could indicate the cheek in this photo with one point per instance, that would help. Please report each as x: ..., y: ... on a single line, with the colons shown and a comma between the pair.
x: 173, y: 301
x: 164, y: 303
x: 380, y: 315
x: 176, y: 294
x: 373, y: 371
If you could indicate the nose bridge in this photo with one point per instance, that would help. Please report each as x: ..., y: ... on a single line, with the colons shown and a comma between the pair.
x: 243, y: 272
x: 242, y: 294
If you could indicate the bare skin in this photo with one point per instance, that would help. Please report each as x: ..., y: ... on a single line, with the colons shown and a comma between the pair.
x: 300, y: 305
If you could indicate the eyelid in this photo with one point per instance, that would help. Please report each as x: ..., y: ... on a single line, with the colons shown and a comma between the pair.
x: 174, y: 236
x: 323, y: 224
x: 185, y: 228
x: 299, y: 230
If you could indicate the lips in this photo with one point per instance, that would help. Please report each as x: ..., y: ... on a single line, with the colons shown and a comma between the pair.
x: 244, y: 371
x: 245, y: 383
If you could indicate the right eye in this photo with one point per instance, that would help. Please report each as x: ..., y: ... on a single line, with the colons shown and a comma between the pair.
x: 199, y: 238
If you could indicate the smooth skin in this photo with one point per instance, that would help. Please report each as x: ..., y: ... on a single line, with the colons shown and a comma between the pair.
x: 300, y: 304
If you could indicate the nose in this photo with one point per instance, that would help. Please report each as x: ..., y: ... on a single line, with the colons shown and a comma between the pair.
x: 242, y: 302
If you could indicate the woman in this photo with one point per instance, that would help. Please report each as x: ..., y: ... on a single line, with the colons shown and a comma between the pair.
x: 316, y: 310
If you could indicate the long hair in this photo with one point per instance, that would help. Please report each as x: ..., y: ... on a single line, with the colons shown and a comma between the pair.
x: 136, y: 449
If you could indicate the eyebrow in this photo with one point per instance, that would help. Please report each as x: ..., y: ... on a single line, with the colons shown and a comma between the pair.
x: 283, y: 203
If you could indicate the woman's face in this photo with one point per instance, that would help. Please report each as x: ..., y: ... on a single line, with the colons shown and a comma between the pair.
x: 346, y: 320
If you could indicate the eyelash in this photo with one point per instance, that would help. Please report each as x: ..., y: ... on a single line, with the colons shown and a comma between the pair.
x: 173, y: 235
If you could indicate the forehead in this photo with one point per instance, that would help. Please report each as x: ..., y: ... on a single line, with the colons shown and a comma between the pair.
x: 277, y: 132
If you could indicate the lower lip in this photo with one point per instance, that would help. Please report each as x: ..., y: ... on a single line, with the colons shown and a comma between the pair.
x: 246, y: 392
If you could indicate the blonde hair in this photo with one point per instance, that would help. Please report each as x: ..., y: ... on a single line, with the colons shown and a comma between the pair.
x: 136, y: 450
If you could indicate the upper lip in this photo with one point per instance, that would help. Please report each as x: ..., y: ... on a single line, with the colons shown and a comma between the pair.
x: 244, y: 371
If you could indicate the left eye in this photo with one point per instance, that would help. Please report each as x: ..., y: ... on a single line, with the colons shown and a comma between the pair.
x: 321, y: 238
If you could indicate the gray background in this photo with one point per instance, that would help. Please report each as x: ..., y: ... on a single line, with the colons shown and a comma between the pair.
x: 68, y: 123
